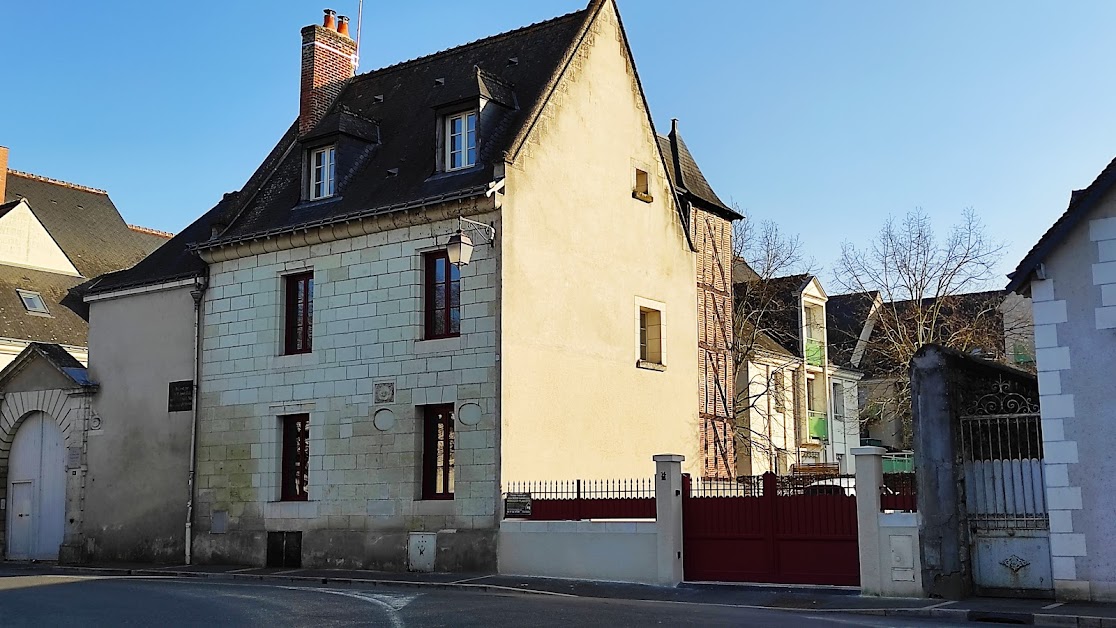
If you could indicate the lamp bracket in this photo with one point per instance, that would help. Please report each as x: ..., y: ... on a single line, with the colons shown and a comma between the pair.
x: 487, y: 232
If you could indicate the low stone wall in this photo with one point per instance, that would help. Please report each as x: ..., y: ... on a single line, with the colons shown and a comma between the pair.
x: 623, y: 551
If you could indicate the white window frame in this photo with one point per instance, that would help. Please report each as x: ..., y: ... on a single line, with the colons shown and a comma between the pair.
x: 323, y: 176
x: 469, y: 145
x: 30, y: 295
x: 641, y: 305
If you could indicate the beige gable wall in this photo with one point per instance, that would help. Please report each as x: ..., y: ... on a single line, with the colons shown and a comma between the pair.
x: 579, y: 256
x: 25, y: 242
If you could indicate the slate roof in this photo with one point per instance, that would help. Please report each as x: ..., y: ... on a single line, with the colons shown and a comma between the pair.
x: 781, y: 322
x: 687, y: 176
x: 404, y: 101
x: 56, y: 356
x: 1082, y: 202
x: 83, y: 221
x: 845, y: 317
x: 68, y: 314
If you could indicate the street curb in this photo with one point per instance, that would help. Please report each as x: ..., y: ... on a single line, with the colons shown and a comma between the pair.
x: 206, y: 575
x: 930, y: 612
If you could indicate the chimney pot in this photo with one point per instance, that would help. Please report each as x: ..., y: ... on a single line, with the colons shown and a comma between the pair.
x: 343, y: 25
x: 330, y: 22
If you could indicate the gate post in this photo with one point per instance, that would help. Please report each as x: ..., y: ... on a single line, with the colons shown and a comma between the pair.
x: 668, y: 517
x: 869, y: 479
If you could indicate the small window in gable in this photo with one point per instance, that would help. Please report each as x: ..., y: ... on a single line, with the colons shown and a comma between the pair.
x: 33, y: 301
x: 460, y: 137
x: 323, y: 170
x: 641, y: 186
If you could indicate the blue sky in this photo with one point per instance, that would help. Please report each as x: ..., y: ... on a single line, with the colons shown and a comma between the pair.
x: 824, y: 116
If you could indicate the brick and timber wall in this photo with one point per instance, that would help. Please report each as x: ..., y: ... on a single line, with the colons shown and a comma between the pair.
x: 328, y: 62
x: 712, y: 236
x: 365, y: 450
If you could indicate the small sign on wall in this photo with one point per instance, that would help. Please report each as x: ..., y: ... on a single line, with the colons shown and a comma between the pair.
x: 181, y: 396
x: 73, y: 457
x: 517, y: 505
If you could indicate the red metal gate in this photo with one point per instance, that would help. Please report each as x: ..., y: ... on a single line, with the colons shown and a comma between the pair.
x: 759, y: 531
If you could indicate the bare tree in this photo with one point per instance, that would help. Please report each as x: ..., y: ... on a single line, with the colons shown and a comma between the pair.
x: 931, y: 289
x: 763, y: 255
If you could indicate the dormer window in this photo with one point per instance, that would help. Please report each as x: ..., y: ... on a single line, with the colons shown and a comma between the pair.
x: 33, y: 301
x: 323, y: 168
x: 461, y: 140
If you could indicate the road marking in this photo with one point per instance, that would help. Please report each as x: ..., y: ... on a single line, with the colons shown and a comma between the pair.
x: 240, y: 570
x: 1054, y: 605
x: 468, y: 579
x: 941, y: 605
x: 392, y: 614
x: 280, y: 573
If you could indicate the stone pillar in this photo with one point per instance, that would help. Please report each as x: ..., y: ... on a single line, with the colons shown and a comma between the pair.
x: 668, y: 517
x: 869, y: 479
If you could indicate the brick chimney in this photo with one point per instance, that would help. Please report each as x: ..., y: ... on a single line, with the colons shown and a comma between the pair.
x: 3, y: 172
x: 328, y: 62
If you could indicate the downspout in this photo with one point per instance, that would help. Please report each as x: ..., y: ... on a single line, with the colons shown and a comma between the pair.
x: 197, y: 293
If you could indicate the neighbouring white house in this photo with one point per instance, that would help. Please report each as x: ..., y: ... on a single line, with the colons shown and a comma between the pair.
x: 1070, y: 276
x: 791, y: 390
x: 473, y: 267
x: 55, y: 238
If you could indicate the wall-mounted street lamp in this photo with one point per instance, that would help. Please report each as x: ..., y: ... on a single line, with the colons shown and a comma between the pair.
x: 459, y: 248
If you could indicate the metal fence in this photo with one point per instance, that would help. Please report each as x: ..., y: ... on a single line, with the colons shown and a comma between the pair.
x: 572, y: 500
x: 900, y: 493
x: 1004, y: 474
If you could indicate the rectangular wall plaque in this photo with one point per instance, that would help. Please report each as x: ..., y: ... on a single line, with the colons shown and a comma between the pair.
x: 181, y: 397
x: 517, y: 505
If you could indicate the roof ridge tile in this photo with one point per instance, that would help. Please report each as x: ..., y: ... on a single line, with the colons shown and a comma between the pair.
x: 39, y: 177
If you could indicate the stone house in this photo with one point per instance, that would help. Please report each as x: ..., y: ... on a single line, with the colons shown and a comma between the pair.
x: 1070, y: 277
x: 477, y: 266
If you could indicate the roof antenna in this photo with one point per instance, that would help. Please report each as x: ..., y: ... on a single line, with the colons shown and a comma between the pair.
x: 360, y: 16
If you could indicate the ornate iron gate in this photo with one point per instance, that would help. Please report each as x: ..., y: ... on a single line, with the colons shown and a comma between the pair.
x: 1001, y: 449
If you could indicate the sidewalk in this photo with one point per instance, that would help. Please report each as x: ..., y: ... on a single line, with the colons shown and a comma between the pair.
x: 813, y: 599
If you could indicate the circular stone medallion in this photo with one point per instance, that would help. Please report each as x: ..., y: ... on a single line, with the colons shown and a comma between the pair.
x: 384, y: 419
x: 470, y: 414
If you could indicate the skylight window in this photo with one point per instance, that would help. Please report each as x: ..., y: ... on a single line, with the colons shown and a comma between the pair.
x: 33, y: 301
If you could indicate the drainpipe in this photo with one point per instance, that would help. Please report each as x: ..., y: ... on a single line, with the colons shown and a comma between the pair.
x: 197, y: 293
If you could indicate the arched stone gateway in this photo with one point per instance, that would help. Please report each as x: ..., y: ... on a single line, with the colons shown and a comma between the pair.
x: 45, y: 412
x: 36, y: 489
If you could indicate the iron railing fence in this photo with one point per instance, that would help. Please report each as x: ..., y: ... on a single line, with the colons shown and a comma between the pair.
x: 1004, y: 476
x: 621, y: 488
x: 575, y: 500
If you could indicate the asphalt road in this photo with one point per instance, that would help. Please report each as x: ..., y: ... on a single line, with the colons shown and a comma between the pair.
x: 52, y: 600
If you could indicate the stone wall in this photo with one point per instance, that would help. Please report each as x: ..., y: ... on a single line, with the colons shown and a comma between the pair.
x: 365, y: 450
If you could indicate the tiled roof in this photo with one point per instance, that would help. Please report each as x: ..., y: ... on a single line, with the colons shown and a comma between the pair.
x: 82, y: 220
x: 1081, y: 203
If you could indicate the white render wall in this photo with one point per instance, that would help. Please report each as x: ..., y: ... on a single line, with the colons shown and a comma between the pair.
x: 368, y: 328
x: 620, y: 551
x: 1074, y: 340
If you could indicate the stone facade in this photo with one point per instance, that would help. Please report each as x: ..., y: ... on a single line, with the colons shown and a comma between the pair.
x: 365, y: 452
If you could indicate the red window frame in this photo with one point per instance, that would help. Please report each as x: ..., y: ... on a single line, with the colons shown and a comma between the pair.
x: 443, y: 297
x: 295, y: 465
x: 299, y: 297
x: 437, y: 451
